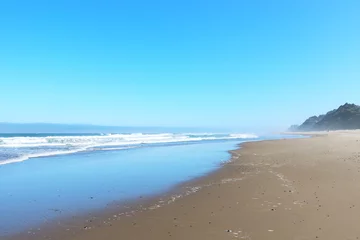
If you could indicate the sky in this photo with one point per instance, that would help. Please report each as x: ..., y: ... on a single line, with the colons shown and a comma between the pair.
x: 233, y: 63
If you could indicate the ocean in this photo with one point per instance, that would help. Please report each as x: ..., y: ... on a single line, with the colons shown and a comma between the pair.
x: 21, y: 147
x: 49, y: 176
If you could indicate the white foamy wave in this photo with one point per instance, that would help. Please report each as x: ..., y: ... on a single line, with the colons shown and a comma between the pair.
x: 113, y: 139
x: 244, y: 136
x: 43, y: 154
x: 21, y: 148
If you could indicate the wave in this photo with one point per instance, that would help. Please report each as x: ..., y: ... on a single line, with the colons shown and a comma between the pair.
x: 21, y: 148
x: 244, y: 136
x: 43, y: 154
x: 113, y: 139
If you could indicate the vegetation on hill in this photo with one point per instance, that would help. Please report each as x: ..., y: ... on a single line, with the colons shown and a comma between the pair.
x: 345, y: 117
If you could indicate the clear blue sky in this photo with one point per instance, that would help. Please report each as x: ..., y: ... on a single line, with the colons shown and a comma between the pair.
x: 177, y: 63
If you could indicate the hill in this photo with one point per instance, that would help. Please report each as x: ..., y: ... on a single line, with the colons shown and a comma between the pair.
x: 345, y: 117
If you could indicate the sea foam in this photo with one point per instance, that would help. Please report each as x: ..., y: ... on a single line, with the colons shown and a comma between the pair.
x: 21, y: 148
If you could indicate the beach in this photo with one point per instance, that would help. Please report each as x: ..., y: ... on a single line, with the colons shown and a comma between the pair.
x: 184, y: 120
x: 281, y: 189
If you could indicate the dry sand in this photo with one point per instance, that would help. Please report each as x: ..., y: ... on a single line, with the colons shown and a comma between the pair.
x: 284, y: 189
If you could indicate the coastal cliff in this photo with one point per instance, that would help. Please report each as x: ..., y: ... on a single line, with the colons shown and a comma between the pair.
x: 345, y: 117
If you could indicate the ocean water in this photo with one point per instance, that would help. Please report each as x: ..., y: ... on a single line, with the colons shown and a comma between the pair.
x: 43, y: 177
x: 21, y: 147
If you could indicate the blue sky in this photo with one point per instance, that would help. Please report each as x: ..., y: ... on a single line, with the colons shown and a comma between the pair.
x: 233, y: 63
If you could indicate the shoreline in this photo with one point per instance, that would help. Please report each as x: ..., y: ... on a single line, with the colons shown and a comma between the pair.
x: 68, y: 226
x: 230, y: 173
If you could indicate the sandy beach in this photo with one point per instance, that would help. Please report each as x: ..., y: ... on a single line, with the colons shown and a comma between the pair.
x: 180, y: 120
x: 283, y: 189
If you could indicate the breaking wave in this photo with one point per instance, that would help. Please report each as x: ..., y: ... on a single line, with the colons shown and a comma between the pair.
x: 20, y: 148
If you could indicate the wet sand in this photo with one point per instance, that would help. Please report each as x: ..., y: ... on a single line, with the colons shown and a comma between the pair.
x: 283, y: 189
